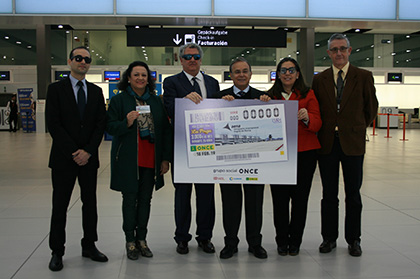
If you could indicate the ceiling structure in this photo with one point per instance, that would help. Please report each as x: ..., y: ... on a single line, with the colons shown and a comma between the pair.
x: 81, y: 22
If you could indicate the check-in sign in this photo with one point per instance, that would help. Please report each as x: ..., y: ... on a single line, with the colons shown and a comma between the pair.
x: 205, y: 37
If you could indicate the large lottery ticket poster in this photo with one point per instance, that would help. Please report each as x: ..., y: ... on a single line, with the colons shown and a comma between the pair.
x: 240, y: 141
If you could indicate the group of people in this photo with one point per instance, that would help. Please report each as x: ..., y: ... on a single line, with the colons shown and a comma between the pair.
x: 332, y: 121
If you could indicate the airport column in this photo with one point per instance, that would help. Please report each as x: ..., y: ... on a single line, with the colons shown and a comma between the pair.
x: 307, y: 53
x: 43, y: 67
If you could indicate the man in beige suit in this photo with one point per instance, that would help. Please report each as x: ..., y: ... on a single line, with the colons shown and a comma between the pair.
x: 348, y: 104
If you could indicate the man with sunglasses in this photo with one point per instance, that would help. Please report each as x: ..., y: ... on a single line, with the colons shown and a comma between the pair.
x: 196, y: 86
x: 76, y: 119
x: 240, y: 72
x: 348, y: 105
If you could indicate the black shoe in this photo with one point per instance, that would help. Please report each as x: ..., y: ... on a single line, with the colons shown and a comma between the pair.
x: 206, y: 245
x: 258, y: 251
x: 282, y: 250
x: 228, y: 252
x: 182, y: 247
x: 56, y: 263
x: 293, y: 250
x: 94, y: 254
x: 355, y: 249
x: 132, y: 251
x: 327, y: 246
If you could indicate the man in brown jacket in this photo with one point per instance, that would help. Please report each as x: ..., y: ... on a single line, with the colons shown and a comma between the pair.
x: 348, y: 104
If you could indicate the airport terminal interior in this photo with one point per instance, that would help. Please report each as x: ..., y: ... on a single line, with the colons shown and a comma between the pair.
x: 390, y: 223
x: 34, y: 47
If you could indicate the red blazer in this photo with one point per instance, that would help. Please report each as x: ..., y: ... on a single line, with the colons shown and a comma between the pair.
x: 307, y: 138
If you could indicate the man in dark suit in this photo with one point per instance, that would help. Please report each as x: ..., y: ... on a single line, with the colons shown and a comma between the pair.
x: 240, y: 72
x: 348, y: 105
x: 75, y: 116
x: 196, y: 86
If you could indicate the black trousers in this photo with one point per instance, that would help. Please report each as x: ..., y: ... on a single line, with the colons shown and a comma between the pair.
x: 290, y: 202
x: 13, y: 119
x: 352, y: 167
x: 136, y: 206
x: 205, y: 215
x: 232, y: 212
x: 63, y: 183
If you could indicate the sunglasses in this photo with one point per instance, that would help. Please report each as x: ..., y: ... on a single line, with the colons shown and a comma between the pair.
x: 189, y: 56
x: 291, y: 70
x: 79, y: 58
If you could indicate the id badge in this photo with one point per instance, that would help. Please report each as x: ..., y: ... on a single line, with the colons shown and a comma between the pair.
x: 143, y: 109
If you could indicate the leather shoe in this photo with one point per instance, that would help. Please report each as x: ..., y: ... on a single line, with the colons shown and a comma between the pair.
x: 56, y: 263
x: 258, y: 251
x: 293, y: 250
x: 94, y: 254
x: 355, y: 249
x: 327, y: 246
x: 282, y: 250
x: 228, y: 252
x: 206, y: 245
x: 182, y: 247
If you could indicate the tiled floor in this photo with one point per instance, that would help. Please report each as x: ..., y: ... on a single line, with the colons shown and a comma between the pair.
x: 390, y: 237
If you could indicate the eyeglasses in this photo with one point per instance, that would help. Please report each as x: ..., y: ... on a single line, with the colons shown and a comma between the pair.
x: 189, y: 56
x: 79, y: 58
x: 291, y: 70
x: 336, y: 49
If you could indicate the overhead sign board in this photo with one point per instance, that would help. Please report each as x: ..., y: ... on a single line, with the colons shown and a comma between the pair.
x: 205, y: 37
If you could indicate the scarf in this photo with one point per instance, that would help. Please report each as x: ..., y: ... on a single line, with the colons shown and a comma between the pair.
x: 145, y: 123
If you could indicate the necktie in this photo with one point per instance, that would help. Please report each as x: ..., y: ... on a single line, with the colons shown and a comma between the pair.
x: 81, y: 99
x: 196, y: 86
x: 340, y: 84
x: 241, y: 93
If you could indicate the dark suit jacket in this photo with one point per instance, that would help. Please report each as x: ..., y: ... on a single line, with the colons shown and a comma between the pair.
x: 178, y: 86
x: 251, y: 94
x: 68, y: 131
x: 358, y: 108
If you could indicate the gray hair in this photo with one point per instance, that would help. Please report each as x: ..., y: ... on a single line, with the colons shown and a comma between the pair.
x: 239, y: 59
x: 338, y: 36
x: 190, y: 45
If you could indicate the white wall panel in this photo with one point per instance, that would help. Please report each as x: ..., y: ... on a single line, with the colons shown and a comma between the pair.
x: 65, y: 7
x: 263, y: 8
x: 363, y: 9
x: 164, y: 7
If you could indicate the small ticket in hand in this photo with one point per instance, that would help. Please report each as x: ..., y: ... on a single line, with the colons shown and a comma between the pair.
x: 143, y: 109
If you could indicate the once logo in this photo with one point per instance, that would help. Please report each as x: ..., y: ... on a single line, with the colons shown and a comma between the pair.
x: 248, y: 171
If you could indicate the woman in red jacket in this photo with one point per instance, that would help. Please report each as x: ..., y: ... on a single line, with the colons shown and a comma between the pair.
x: 290, y: 85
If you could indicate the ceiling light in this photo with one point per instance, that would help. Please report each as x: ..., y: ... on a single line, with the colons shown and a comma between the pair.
x: 6, y: 37
x: 357, y: 30
x: 394, y: 53
x: 19, y: 43
x: 408, y: 36
x: 60, y: 26
x: 408, y: 50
